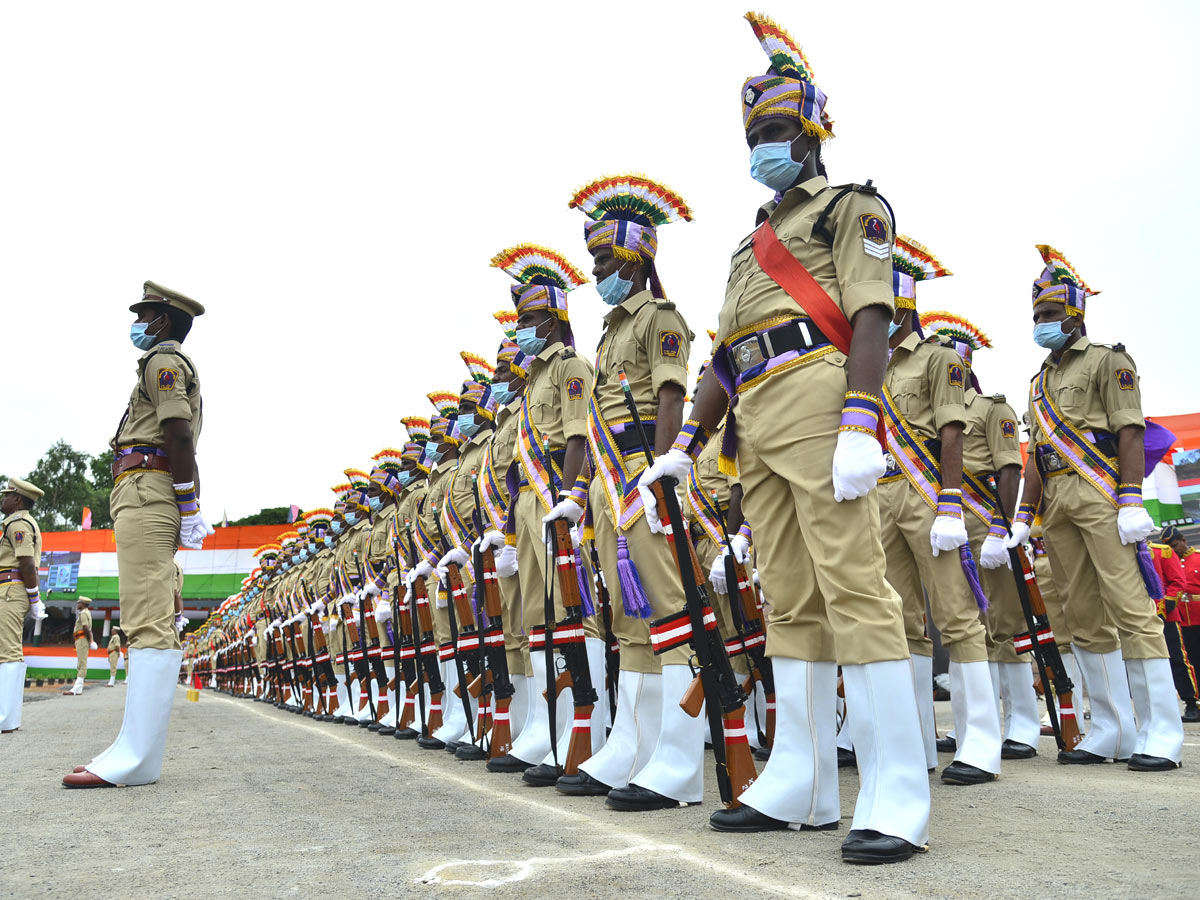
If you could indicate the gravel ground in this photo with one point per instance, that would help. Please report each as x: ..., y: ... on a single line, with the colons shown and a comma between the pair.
x: 261, y: 803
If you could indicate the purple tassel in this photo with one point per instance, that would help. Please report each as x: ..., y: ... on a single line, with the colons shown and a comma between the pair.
x: 390, y: 632
x: 1149, y: 573
x: 633, y: 595
x: 972, y: 573
x: 585, y: 593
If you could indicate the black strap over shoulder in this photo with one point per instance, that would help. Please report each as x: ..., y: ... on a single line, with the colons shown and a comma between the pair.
x: 145, y: 362
x: 821, y: 228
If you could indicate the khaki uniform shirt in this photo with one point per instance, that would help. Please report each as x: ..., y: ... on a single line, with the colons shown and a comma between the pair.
x: 990, y: 437
x: 927, y: 380
x: 83, y: 620
x: 409, y: 509
x: 649, y: 339
x: 504, y: 443
x: 22, y: 539
x: 168, y: 388
x: 557, y: 392
x: 114, y: 645
x: 1094, y: 386
x: 856, y: 274
x: 460, y: 492
x: 349, y: 543
x: 379, y: 547
x: 435, y: 496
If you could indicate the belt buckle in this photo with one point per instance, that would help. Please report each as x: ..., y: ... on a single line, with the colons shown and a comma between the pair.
x: 1054, y: 462
x: 747, y: 353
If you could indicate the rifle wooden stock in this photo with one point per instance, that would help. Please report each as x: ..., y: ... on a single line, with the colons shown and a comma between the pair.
x: 501, y: 728
x: 563, y: 682
x: 579, y: 750
x: 692, y: 700
x: 739, y: 760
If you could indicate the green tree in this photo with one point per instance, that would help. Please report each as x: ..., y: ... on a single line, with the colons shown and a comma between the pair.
x: 63, y: 474
x: 102, y: 485
x: 272, y: 515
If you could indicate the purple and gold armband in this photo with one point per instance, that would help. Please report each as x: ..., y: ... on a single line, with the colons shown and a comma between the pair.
x: 996, y: 527
x: 185, y: 498
x: 34, y: 595
x: 950, y: 503
x: 1129, y: 495
x: 745, y: 532
x: 691, y: 438
x: 579, y: 491
x: 1025, y: 514
x: 861, y: 412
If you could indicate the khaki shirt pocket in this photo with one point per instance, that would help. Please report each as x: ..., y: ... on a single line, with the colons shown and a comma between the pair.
x: 911, y: 398
x: 1072, y: 396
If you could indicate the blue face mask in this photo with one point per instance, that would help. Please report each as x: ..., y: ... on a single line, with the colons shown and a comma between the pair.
x: 350, y: 517
x: 335, y: 527
x: 1050, y: 335
x: 893, y: 327
x: 529, y: 342
x: 405, y: 478
x: 373, y: 503
x: 501, y: 392
x: 614, y: 288
x: 303, y: 555
x: 467, y: 424
x: 137, y: 334
x: 772, y: 164
x: 432, y: 453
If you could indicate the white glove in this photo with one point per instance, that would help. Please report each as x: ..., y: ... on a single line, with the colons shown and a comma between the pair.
x: 741, y: 548
x: 38, y: 609
x: 1018, y: 536
x: 94, y: 645
x: 675, y: 464
x: 506, y: 562
x: 371, y: 589
x: 492, y: 540
x: 575, y: 539
x: 1134, y: 524
x: 565, y: 509
x: 407, y: 602
x: 716, y: 574
x: 383, y: 612
x: 327, y: 626
x: 994, y: 554
x: 193, y: 530
x: 947, y: 533
x: 857, y: 465
x: 423, y: 569
x: 319, y: 607
x: 181, y: 622
x: 455, y: 556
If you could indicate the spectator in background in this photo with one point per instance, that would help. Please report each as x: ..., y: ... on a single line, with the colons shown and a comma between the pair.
x: 1181, y: 625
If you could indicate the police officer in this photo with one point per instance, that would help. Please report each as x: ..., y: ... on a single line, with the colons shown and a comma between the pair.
x: 20, y: 556
x: 155, y: 507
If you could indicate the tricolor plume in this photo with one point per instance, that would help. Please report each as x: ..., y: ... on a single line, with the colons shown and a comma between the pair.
x: 535, y: 264
x: 631, y: 197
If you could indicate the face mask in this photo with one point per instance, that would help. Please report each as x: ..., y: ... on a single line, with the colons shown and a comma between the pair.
x: 336, y: 527
x: 893, y: 327
x: 1050, y: 335
x: 286, y: 566
x: 373, y: 503
x: 614, y: 288
x: 772, y: 164
x: 501, y: 392
x: 137, y: 334
x: 350, y: 518
x: 405, y: 478
x: 303, y: 555
x: 529, y: 342
x: 467, y: 424
x: 432, y: 453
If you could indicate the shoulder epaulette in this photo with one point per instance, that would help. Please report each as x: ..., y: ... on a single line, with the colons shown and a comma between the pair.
x: 568, y: 353
x: 1120, y: 348
x: 665, y: 304
x: 999, y: 398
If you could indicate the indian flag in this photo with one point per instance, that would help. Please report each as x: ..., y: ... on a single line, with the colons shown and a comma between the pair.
x: 1160, y: 494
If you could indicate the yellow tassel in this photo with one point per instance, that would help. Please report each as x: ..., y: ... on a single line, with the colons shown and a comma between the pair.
x: 589, y: 533
x: 727, y: 465
x: 623, y: 253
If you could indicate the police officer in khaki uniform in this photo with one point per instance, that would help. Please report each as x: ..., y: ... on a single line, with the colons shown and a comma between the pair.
x: 642, y: 767
x: 82, y: 633
x: 1086, y: 465
x: 808, y: 458
x: 155, y: 507
x: 353, y: 540
x: 413, y: 480
x: 114, y: 656
x: 20, y: 556
x: 382, y: 497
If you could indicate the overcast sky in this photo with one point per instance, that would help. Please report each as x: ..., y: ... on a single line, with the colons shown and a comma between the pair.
x: 330, y: 181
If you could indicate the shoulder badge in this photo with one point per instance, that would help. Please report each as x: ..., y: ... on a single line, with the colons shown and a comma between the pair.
x: 167, y: 378
x: 1008, y: 428
x: 875, y: 236
x: 574, y: 389
x: 1125, y: 379
x: 18, y: 537
x: 669, y: 343
x: 955, y: 375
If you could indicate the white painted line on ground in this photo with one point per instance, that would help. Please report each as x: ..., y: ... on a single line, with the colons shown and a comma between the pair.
x: 525, y: 867
x: 633, y: 839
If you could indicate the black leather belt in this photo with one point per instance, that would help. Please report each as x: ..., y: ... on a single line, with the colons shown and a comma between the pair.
x: 761, y: 347
x: 629, y: 441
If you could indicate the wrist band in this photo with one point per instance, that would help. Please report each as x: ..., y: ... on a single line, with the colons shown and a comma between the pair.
x: 744, y: 532
x: 860, y: 412
x: 950, y: 503
x: 34, y: 594
x: 996, y: 527
x: 1025, y: 514
x: 579, y: 492
x: 1129, y: 495
x: 185, y: 497
x: 691, y: 438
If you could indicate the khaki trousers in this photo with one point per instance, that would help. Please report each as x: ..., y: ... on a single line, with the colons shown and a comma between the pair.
x: 1052, y: 598
x: 820, y: 562
x: 146, y: 528
x: 81, y: 657
x: 1106, y: 587
x: 14, y: 607
x: 113, y: 658
x: 651, y: 555
x: 514, y: 636
x: 1004, y: 618
x: 910, y: 563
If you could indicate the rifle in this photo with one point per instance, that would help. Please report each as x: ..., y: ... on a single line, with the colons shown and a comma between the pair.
x: 464, y: 640
x: 427, y: 651
x: 289, y: 670
x: 612, y: 647
x: 404, y: 641
x: 715, y: 682
x: 487, y: 593
x: 1039, y: 640
x: 367, y: 624
x: 358, y: 655
x: 748, y: 622
x: 321, y: 661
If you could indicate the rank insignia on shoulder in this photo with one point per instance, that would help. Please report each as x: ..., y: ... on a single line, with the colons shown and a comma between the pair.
x: 167, y: 379
x: 1008, y: 428
x: 568, y: 353
x: 574, y: 389
x: 669, y: 343
x: 955, y: 375
x: 1125, y: 380
x: 999, y: 398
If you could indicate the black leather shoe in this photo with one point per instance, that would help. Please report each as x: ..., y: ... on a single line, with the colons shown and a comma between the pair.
x: 640, y: 799
x: 1190, y: 713
x: 847, y: 759
x: 507, y: 763
x: 452, y: 746
x: 336, y: 720
x: 1079, y: 758
x: 947, y: 745
x: 744, y: 819
x: 965, y: 773
x: 1140, y: 762
x: 407, y: 734
x: 351, y: 721
x: 430, y: 743
x: 762, y: 754
x: 581, y: 784
x: 871, y: 848
x: 1016, y: 750
x: 387, y: 730
x: 373, y: 726
x: 470, y: 752
x: 542, y: 775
